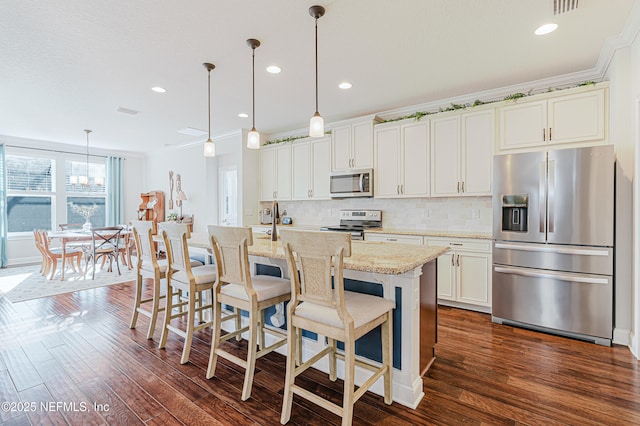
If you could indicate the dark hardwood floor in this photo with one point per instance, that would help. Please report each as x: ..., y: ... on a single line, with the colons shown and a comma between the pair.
x: 72, y: 359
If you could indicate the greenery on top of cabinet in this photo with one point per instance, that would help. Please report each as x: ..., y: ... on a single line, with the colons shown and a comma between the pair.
x: 453, y: 107
x: 289, y: 139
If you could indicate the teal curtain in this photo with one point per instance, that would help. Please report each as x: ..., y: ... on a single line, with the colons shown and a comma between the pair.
x: 3, y: 209
x: 115, y: 188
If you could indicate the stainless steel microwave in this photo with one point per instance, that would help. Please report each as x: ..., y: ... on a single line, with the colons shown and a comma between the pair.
x: 351, y: 183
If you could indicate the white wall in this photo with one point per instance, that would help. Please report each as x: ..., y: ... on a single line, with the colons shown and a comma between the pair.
x: 190, y: 164
x: 620, y: 134
x: 634, y: 106
x: 200, y: 177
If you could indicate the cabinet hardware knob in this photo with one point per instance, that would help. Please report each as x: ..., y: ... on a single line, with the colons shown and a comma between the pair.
x: 462, y: 186
x: 453, y: 256
x: 544, y: 135
x: 458, y: 188
x: 549, y: 133
x: 458, y: 260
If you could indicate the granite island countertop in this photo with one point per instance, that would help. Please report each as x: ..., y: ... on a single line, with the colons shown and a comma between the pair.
x: 432, y: 233
x: 366, y: 256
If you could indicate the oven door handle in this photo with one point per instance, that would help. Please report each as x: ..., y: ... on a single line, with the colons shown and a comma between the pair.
x: 361, y: 182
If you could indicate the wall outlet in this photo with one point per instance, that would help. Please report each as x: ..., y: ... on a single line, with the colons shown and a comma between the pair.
x: 475, y: 213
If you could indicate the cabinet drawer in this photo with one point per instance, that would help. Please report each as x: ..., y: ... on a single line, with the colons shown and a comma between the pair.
x: 393, y: 238
x: 460, y: 244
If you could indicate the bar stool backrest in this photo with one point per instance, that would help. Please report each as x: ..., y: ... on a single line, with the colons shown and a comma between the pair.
x: 229, y: 246
x: 175, y: 239
x: 143, y: 231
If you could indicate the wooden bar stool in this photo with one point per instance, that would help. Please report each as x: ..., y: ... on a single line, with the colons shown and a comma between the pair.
x: 317, y: 305
x: 148, y: 266
x: 181, y: 276
x: 238, y: 288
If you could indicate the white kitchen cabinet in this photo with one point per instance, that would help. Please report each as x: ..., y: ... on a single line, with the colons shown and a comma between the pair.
x: 311, y: 165
x: 275, y: 173
x: 352, y: 146
x: 393, y: 238
x: 563, y: 117
x: 461, y: 154
x: 464, y: 274
x: 401, y: 152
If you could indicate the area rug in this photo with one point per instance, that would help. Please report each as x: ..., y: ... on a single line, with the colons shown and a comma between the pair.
x: 26, y: 283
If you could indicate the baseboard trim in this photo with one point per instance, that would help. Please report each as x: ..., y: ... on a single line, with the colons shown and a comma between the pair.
x: 621, y: 337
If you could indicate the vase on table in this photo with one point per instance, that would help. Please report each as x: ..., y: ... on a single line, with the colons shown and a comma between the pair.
x: 87, y: 224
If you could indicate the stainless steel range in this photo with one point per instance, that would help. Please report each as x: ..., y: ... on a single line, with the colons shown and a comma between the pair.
x: 356, y: 221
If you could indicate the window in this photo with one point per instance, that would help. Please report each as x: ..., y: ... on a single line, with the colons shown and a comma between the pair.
x: 75, y: 171
x: 39, y: 194
x: 30, y: 194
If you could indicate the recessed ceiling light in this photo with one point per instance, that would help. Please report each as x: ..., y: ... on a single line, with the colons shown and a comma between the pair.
x: 158, y: 89
x: 546, y: 29
x: 274, y: 69
x: 345, y: 85
x: 243, y: 115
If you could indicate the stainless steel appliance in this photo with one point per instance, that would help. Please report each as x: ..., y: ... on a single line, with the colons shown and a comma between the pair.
x: 352, y: 183
x: 553, y: 246
x: 265, y: 216
x: 356, y: 221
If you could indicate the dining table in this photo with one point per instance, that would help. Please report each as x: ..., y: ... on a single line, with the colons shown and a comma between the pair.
x: 75, y: 236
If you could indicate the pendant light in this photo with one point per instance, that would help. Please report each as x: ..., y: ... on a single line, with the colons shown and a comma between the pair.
x: 253, y: 138
x: 316, y: 124
x: 84, y: 180
x: 209, y: 146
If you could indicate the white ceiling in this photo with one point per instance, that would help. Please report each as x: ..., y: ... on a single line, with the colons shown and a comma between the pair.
x: 69, y: 65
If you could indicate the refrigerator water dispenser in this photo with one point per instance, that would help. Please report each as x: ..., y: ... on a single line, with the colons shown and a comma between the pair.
x: 514, y: 212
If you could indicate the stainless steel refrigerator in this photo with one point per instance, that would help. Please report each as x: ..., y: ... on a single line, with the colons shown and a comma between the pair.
x: 553, y: 248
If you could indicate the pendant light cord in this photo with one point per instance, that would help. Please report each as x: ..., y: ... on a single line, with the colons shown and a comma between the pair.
x: 316, y: 65
x: 87, y: 131
x: 253, y: 89
x: 209, y: 101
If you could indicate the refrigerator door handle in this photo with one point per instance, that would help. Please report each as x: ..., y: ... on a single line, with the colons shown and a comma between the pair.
x: 551, y: 195
x: 542, y: 196
x: 554, y: 276
x: 559, y: 250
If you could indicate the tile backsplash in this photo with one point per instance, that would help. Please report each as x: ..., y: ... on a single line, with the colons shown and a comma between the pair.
x: 473, y: 214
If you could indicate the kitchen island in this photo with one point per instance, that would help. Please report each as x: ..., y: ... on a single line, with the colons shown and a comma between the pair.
x: 405, y: 274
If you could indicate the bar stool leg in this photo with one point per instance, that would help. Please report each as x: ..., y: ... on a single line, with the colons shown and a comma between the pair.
x: 287, y: 400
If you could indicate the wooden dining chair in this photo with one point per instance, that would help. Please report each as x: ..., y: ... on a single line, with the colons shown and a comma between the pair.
x: 43, y: 265
x: 51, y: 255
x: 192, y: 280
x: 320, y: 304
x: 104, y: 244
x: 235, y: 286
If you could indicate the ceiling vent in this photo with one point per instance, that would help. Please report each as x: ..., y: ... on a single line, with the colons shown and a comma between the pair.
x: 190, y: 131
x: 564, y: 6
x: 128, y: 111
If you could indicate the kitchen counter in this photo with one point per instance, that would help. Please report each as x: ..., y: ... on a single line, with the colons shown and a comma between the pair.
x: 434, y: 233
x: 366, y: 256
x: 402, y: 273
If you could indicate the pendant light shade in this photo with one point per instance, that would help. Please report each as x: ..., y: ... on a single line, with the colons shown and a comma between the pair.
x: 209, y: 146
x: 253, y: 138
x: 316, y: 124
